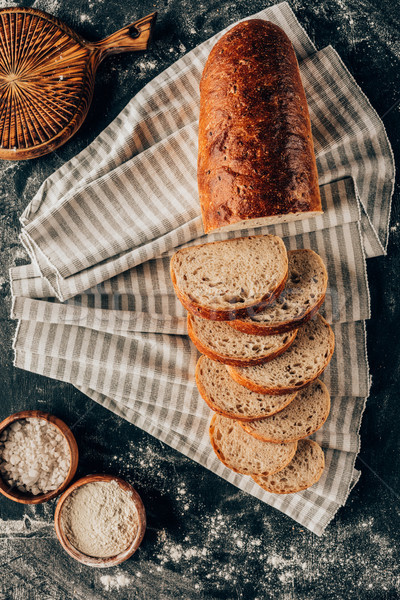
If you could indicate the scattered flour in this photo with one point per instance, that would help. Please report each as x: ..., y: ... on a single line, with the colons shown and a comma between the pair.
x: 147, y: 65
x: 24, y: 527
x: 115, y: 582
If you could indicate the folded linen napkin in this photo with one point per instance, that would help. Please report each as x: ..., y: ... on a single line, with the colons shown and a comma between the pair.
x: 96, y: 307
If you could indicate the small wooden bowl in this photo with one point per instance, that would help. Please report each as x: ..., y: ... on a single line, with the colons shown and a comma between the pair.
x: 92, y: 561
x: 25, y: 498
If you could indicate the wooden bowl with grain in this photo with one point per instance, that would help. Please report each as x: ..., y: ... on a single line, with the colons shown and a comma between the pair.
x: 25, y: 497
x: 137, y: 536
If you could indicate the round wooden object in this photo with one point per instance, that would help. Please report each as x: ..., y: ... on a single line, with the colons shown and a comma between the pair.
x: 47, y: 74
x: 25, y: 498
x: 92, y: 561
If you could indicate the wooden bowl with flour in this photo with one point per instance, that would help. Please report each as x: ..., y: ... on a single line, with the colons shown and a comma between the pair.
x: 12, y: 492
x: 100, y: 520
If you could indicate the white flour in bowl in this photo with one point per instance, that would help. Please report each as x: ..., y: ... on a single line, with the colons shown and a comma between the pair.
x: 100, y: 519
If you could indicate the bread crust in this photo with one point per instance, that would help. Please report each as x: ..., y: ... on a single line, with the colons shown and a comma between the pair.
x: 230, y: 415
x: 262, y: 438
x: 223, y: 460
x: 265, y: 487
x: 239, y: 378
x: 197, y: 309
x: 236, y: 362
x: 256, y: 328
x: 256, y: 155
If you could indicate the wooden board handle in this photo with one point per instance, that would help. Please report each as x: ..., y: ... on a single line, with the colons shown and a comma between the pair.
x: 134, y: 37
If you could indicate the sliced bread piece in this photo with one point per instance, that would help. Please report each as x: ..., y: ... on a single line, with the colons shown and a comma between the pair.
x: 226, y: 397
x: 220, y: 342
x: 302, y: 417
x: 302, y: 472
x: 221, y: 280
x: 244, y: 454
x: 305, y: 360
x: 304, y: 293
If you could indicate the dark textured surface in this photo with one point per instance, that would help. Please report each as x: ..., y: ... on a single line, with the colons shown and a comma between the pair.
x: 206, y: 539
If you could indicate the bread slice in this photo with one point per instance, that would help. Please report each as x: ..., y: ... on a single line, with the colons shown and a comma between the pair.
x: 222, y: 280
x: 304, y: 293
x: 222, y: 343
x: 303, y: 362
x: 244, y: 454
x: 302, y: 472
x: 226, y: 397
x: 302, y: 417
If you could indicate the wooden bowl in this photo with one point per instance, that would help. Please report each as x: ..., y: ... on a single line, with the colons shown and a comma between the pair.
x: 47, y: 74
x: 90, y: 560
x: 25, y: 498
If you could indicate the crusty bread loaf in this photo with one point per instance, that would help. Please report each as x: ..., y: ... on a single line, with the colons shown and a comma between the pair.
x: 220, y: 342
x: 243, y: 453
x: 221, y: 280
x: 303, y: 362
x: 303, y: 295
x: 302, y: 417
x: 256, y: 163
x: 226, y: 397
x: 302, y: 472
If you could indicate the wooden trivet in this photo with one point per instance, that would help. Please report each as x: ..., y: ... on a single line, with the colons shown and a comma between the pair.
x: 47, y: 74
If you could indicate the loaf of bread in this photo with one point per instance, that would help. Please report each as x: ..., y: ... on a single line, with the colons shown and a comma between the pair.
x: 256, y: 163
x: 303, y: 362
x: 304, y: 293
x: 224, y: 344
x: 222, y: 281
x: 302, y: 472
x: 301, y: 418
x: 230, y: 399
x: 244, y: 454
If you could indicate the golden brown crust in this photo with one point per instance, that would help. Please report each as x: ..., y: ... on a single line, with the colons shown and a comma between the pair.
x: 222, y: 457
x: 196, y: 309
x: 262, y: 438
x: 259, y: 481
x: 230, y: 415
x: 256, y: 328
x: 256, y: 155
x: 236, y: 362
x: 239, y: 378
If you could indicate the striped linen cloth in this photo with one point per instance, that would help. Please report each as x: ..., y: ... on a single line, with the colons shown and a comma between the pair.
x: 96, y: 307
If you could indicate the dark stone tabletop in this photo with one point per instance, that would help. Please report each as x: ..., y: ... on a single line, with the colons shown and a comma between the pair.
x: 205, y: 538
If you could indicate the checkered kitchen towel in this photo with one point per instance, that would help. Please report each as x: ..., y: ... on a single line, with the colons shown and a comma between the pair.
x: 96, y: 307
